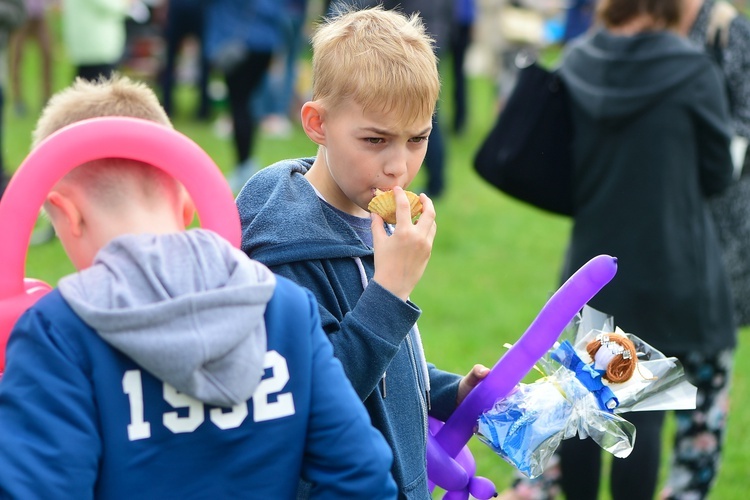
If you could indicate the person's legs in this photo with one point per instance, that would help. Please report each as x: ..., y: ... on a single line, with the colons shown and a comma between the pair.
x: 18, y: 42
x: 173, y: 36
x: 184, y: 19
x: 196, y: 25
x: 242, y: 81
x: 700, y: 433
x: 635, y: 477
x: 294, y: 41
x: 435, y: 161
x: 204, y: 103
x: 460, y: 40
x: 272, y: 101
x: 580, y: 468
x: 44, y: 37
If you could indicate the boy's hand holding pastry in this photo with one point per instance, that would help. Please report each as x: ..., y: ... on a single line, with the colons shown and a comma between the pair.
x: 401, y: 258
x: 384, y: 204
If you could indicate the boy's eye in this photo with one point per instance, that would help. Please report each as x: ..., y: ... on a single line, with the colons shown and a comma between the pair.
x: 375, y: 140
x: 418, y: 139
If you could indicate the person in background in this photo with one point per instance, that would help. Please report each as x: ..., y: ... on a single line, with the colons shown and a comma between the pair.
x: 173, y: 365
x: 639, y: 93
x: 276, y: 102
x: 724, y: 33
x: 184, y: 18
x: 93, y: 33
x: 12, y: 15
x: 464, y: 14
x: 240, y: 38
x: 36, y: 26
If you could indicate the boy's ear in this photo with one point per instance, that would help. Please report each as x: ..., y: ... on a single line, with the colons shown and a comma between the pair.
x: 188, y: 208
x: 65, y: 216
x: 312, y: 122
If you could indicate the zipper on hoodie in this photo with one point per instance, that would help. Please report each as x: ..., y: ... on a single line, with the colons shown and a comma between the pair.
x: 423, y: 396
x: 416, y: 363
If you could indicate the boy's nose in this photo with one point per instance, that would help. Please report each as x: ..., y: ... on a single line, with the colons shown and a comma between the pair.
x: 397, y: 163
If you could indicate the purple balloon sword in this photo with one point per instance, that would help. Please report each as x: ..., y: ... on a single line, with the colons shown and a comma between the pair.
x: 541, y: 335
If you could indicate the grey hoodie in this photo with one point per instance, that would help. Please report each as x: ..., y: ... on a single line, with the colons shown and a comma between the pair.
x: 188, y: 307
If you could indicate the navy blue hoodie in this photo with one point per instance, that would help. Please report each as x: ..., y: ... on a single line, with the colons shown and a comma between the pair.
x: 175, y: 367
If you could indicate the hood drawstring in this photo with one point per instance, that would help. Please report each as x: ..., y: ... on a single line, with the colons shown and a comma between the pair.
x: 418, y: 338
x: 418, y: 341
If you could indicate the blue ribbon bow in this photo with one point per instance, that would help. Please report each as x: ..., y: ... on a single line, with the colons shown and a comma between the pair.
x: 587, y: 375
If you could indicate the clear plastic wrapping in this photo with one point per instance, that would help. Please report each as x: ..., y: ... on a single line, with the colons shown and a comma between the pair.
x: 527, y: 426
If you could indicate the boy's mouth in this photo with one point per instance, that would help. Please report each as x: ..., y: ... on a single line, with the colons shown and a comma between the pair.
x: 377, y: 191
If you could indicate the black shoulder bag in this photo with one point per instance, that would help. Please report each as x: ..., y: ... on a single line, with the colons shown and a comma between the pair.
x: 527, y: 155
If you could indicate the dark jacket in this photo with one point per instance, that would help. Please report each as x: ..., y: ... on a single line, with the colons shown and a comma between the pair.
x: 651, y: 126
x: 287, y: 227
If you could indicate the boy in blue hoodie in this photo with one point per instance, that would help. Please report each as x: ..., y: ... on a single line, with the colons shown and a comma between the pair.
x: 170, y: 365
x: 375, y: 86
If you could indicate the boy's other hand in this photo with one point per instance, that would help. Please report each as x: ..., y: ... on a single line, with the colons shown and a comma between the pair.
x: 470, y: 381
x: 401, y: 258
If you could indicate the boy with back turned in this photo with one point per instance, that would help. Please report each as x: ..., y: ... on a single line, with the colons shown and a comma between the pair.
x: 170, y: 365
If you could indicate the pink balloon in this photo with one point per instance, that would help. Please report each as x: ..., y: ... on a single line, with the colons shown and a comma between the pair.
x: 541, y: 335
x: 81, y: 142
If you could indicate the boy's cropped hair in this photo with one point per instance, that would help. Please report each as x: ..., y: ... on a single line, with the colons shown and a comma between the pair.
x: 114, y: 96
x: 380, y: 59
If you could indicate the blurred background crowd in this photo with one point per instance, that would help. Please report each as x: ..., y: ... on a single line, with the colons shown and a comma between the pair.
x: 258, y: 85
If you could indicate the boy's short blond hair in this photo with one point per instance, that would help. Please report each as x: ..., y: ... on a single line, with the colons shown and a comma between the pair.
x: 114, y: 96
x: 379, y: 59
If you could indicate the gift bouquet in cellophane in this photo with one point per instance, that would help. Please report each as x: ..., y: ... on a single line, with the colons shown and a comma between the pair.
x: 595, y: 373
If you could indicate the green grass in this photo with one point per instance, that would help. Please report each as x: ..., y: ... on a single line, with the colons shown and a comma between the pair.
x: 494, y: 264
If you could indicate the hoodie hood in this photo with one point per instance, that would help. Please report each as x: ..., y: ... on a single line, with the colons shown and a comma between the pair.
x: 613, y: 77
x: 276, y: 227
x: 187, y: 307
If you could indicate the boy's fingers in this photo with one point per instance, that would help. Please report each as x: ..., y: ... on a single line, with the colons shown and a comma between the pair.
x: 403, y: 209
x: 428, y: 209
x: 477, y: 373
x: 376, y: 224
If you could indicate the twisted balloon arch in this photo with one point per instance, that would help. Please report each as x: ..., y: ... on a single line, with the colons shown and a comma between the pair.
x: 88, y: 140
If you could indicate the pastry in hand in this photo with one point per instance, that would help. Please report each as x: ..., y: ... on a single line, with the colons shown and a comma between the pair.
x: 384, y: 204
